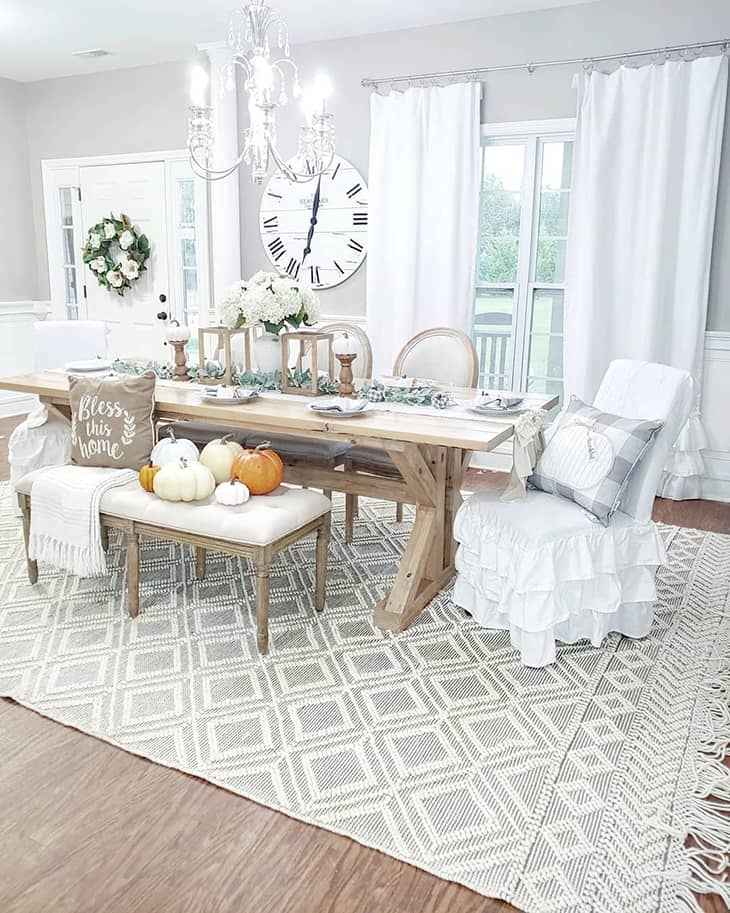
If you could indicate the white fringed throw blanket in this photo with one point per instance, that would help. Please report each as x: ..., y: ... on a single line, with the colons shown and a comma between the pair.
x: 527, y: 447
x: 64, y: 522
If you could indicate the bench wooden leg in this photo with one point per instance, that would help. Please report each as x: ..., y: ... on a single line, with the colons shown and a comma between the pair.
x: 322, y: 548
x: 350, y: 514
x: 262, y: 562
x: 199, y: 562
x: 104, y: 537
x: 31, y: 566
x: 132, y: 541
x: 398, y: 512
x: 327, y: 492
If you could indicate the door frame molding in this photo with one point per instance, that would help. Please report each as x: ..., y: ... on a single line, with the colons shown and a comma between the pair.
x: 62, y: 172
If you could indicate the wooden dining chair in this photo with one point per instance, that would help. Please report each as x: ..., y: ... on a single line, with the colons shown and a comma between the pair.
x: 442, y: 355
x: 324, y: 454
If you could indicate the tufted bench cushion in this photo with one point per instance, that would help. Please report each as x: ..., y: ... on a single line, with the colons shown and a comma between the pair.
x: 260, y: 521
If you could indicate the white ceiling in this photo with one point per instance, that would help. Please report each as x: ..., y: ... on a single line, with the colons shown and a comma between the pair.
x: 38, y: 36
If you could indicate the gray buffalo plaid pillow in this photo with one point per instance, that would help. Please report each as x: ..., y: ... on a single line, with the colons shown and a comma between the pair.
x: 590, y: 456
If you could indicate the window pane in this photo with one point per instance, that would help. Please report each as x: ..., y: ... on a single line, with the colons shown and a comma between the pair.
x: 492, y: 333
x: 190, y: 291
x: 187, y: 202
x: 546, y: 335
x: 501, y: 200
x: 557, y: 160
x: 69, y: 254
x: 70, y: 285
x: 188, y: 252
x: 65, y: 200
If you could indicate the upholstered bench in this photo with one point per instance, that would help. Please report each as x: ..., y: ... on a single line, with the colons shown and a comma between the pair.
x: 257, y: 529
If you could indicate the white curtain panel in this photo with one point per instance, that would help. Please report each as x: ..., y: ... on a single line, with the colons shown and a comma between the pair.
x: 645, y: 175
x: 423, y: 212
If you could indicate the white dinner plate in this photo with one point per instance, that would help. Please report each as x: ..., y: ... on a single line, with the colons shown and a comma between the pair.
x: 88, y: 365
x: 211, y: 396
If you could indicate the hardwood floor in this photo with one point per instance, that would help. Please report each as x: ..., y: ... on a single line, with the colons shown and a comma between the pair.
x: 88, y: 828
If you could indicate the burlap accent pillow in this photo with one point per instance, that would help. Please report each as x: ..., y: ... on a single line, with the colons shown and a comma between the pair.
x: 111, y: 420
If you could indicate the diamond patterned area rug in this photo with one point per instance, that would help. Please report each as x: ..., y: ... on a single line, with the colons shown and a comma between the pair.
x: 563, y: 790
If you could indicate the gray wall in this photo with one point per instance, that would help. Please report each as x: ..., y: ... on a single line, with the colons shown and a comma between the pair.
x: 143, y: 109
x: 17, y: 247
x: 609, y: 26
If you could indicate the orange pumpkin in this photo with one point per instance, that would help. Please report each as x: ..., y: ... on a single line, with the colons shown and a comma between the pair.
x: 262, y: 469
x: 147, y: 475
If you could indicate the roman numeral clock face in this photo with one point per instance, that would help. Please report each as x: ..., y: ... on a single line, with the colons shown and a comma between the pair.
x: 316, y: 232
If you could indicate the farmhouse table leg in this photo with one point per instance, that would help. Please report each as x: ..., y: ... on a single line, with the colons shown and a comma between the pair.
x: 350, y: 514
x: 434, y: 474
x: 31, y: 566
x: 262, y: 562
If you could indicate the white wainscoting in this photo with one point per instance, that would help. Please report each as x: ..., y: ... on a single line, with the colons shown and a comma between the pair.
x: 16, y: 348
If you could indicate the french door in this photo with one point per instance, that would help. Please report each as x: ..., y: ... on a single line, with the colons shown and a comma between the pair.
x: 519, y: 296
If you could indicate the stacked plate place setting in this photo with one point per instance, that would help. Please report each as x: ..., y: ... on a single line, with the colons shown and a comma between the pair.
x: 340, y: 407
x: 498, y: 404
x: 230, y: 395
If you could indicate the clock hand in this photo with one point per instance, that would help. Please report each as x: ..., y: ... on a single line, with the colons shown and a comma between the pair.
x: 313, y: 220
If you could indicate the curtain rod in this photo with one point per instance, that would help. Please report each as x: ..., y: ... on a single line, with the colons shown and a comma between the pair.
x: 586, y: 62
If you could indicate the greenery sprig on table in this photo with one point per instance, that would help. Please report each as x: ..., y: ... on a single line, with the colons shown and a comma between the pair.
x: 243, y: 378
x: 409, y: 396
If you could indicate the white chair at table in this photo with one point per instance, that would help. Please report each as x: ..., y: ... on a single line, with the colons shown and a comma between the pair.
x: 440, y: 354
x: 43, y: 438
x: 58, y: 342
x: 321, y: 454
x: 544, y: 569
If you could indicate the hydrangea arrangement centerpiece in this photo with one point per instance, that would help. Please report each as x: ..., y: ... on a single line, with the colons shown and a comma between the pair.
x: 271, y: 299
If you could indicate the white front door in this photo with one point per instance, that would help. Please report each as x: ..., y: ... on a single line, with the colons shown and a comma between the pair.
x: 137, y: 189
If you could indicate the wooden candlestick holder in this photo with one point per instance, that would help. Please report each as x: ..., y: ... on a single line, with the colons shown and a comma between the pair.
x: 346, y: 376
x: 181, y: 363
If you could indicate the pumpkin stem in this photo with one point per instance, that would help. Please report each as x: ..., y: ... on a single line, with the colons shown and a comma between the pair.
x: 264, y: 445
x: 171, y: 434
x: 226, y: 438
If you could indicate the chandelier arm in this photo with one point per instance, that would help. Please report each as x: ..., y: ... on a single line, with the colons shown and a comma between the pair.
x: 212, y: 174
x: 243, y: 63
x: 298, y: 177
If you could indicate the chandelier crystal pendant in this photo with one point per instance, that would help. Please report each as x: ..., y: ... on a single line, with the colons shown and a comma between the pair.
x: 268, y: 80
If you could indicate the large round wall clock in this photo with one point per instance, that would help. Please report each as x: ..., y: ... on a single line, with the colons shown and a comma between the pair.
x: 316, y: 232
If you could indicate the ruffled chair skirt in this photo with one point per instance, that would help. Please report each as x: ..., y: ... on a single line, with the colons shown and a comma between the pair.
x: 559, y: 577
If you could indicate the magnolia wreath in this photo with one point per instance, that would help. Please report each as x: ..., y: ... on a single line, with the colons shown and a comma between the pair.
x: 106, y: 239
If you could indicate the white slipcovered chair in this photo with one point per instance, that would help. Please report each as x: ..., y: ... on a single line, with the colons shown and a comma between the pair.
x: 44, y: 437
x: 57, y: 342
x: 544, y: 569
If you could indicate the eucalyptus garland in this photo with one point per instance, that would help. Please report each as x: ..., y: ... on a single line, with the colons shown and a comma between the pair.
x: 104, y: 240
x: 244, y: 378
x: 409, y: 396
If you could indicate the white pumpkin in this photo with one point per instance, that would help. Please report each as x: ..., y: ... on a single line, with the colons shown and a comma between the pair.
x: 172, y: 449
x: 218, y: 456
x: 183, y: 481
x: 232, y: 493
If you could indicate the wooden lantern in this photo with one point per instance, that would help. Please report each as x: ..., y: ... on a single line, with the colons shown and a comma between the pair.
x: 223, y: 350
x: 308, y: 341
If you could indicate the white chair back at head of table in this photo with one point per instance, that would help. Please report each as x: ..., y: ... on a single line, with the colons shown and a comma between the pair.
x: 58, y: 342
x: 440, y: 354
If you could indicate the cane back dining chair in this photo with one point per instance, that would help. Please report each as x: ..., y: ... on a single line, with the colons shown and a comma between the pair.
x: 440, y: 354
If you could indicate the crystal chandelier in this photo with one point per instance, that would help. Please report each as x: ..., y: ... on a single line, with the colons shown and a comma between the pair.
x: 254, y: 29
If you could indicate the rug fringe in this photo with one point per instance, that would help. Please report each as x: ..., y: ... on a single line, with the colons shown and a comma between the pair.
x: 707, y: 824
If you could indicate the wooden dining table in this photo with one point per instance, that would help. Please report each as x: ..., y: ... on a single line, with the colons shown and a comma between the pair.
x: 430, y: 450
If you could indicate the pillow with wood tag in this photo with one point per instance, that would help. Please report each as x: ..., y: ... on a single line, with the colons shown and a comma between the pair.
x: 590, y: 455
x: 111, y: 420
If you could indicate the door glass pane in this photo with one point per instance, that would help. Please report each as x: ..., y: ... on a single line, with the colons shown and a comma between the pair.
x: 188, y: 259
x: 66, y: 197
x: 492, y: 334
x: 501, y: 201
x: 557, y: 161
x: 545, y: 361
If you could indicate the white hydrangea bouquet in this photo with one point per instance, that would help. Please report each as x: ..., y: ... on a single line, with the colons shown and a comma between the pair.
x: 274, y: 300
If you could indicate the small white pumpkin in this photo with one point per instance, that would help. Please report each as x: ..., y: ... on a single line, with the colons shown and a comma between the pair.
x: 218, y: 456
x: 232, y: 493
x: 183, y: 481
x: 171, y: 449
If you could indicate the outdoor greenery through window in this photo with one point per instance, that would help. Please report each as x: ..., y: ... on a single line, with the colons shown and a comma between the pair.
x: 188, y: 261
x: 66, y: 197
x: 523, y: 227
